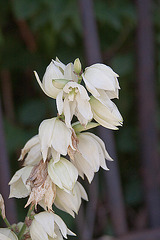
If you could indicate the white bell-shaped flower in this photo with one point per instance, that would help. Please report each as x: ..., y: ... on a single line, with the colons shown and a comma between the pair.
x: 54, y: 136
x: 48, y: 226
x: 67, y: 70
x: 74, y: 100
x: 90, y: 155
x: 63, y: 173
x: 106, y: 114
x: 31, y: 152
x: 7, y: 234
x: 101, y: 79
x: 56, y: 76
x: 70, y: 202
x: 18, y: 184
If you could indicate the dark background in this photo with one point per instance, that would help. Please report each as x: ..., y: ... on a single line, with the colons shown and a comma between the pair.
x: 123, y: 34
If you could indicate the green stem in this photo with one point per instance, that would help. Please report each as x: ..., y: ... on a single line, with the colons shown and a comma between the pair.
x: 79, y: 79
x: 5, y: 220
x: 20, y: 234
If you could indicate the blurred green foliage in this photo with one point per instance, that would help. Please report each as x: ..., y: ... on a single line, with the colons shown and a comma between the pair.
x: 55, y: 29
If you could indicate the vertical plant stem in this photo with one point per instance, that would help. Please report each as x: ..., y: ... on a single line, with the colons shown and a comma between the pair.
x: 5, y: 220
x: 20, y: 234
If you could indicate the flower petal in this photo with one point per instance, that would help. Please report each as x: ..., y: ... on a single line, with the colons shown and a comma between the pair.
x: 31, y: 143
x: 59, y: 102
x: 61, y: 137
x: 46, y: 220
x: 62, y: 226
x: 45, y: 135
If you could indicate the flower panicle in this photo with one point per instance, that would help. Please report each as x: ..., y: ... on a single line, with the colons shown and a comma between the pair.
x: 62, y: 150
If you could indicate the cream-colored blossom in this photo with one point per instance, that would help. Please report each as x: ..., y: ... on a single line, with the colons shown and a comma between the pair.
x: 52, y: 72
x: 7, y: 234
x: 48, y: 226
x: 67, y: 70
x: 56, y: 76
x: 74, y: 100
x: 101, y: 79
x: 2, y: 207
x: 55, y: 137
x: 70, y: 202
x: 31, y: 152
x: 29, y: 144
x: 18, y: 184
x: 106, y: 114
x: 90, y: 155
x: 63, y: 174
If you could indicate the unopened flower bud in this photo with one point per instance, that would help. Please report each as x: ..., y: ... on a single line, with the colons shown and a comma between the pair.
x: 77, y: 66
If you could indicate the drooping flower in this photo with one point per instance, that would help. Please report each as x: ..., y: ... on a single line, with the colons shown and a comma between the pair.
x: 18, y: 184
x: 52, y: 72
x: 31, y: 152
x: 54, y: 136
x: 101, y: 79
x: 48, y: 226
x: 106, y: 114
x: 74, y: 100
x: 7, y: 234
x: 63, y: 173
x: 90, y: 155
x: 56, y: 76
x: 70, y: 202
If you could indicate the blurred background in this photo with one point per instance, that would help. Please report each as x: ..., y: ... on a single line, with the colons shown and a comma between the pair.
x: 124, y: 34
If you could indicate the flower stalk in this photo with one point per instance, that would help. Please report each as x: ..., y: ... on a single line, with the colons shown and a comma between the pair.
x: 5, y: 220
x: 47, y: 176
x: 23, y: 229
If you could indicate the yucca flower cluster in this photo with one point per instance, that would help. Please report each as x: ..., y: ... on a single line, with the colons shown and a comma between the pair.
x: 62, y: 150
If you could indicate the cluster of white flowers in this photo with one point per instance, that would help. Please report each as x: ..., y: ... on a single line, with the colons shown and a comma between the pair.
x: 63, y: 150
